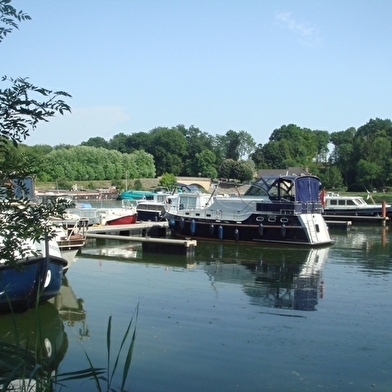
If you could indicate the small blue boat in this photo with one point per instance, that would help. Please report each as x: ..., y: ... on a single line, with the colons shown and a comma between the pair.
x: 37, y: 278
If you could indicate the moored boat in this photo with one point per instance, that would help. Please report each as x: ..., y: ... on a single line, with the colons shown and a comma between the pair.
x: 118, y: 216
x: 36, y: 277
x: 275, y: 209
x: 135, y: 195
x: 70, y: 236
x: 350, y: 206
x: 152, y: 210
x: 124, y: 215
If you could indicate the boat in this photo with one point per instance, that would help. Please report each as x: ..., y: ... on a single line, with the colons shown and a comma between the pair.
x: 154, y: 209
x: 124, y: 215
x: 350, y: 206
x: 283, y: 209
x: 31, y: 279
x: 135, y: 195
x: 70, y: 235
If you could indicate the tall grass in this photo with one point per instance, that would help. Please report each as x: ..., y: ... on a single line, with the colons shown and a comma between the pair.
x: 24, y: 369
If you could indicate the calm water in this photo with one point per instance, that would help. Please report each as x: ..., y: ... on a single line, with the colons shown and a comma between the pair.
x: 233, y: 318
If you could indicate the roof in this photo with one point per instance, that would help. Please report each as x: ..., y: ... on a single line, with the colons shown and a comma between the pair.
x: 299, y: 171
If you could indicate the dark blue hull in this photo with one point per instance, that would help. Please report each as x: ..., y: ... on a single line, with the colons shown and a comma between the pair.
x: 287, y: 229
x: 22, y: 286
x: 53, y: 279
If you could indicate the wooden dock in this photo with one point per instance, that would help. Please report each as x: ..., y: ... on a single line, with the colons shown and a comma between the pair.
x: 382, y: 220
x: 339, y: 224
x: 140, y: 232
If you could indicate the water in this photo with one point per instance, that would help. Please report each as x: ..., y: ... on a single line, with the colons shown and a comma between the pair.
x: 234, y: 318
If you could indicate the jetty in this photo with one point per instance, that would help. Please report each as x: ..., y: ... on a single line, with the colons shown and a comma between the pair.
x: 344, y: 219
x: 152, y: 235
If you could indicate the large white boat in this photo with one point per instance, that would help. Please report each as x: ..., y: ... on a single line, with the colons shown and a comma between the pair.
x: 275, y: 209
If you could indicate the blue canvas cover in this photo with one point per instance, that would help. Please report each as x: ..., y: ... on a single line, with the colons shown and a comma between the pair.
x: 307, y: 189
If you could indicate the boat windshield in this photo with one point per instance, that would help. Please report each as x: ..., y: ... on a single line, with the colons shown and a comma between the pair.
x: 359, y: 201
x: 275, y: 188
x: 303, y: 189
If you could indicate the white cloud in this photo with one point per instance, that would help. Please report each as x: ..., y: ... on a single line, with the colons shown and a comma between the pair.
x: 80, y: 125
x: 305, y: 34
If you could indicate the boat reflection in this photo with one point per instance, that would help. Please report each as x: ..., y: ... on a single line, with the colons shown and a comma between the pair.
x: 274, y: 277
x: 35, y: 337
x: 70, y: 309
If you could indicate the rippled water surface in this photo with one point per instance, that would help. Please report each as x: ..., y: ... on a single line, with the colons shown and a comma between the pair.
x: 235, y: 317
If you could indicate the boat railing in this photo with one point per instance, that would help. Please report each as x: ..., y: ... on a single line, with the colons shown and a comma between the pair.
x: 290, y: 208
x: 80, y: 227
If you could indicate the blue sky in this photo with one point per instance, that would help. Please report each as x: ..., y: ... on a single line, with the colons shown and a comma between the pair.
x: 245, y: 65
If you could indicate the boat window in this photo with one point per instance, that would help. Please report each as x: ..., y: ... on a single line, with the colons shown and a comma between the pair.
x: 161, y: 198
x: 256, y: 191
x: 342, y: 202
x: 187, y: 202
x: 350, y: 203
x: 333, y: 202
x: 360, y: 201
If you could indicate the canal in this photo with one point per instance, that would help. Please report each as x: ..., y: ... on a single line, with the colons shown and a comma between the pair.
x: 232, y: 317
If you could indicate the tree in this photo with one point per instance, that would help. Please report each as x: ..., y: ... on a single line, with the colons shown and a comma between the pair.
x: 139, y: 141
x: 169, y: 150
x: 21, y: 110
x: 204, y: 164
x: 168, y: 180
x: 22, y: 106
x: 236, y: 144
x: 96, y: 142
x: 9, y: 18
x: 366, y: 173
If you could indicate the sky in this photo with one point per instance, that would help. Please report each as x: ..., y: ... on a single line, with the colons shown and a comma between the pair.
x: 219, y: 65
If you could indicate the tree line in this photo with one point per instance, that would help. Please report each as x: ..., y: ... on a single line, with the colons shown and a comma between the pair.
x: 354, y: 159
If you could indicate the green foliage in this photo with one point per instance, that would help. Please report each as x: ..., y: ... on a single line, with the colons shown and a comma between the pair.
x: 9, y: 18
x: 96, y: 142
x: 331, y: 177
x: 167, y: 180
x: 137, y: 185
x: 63, y: 183
x: 21, y: 110
x: 128, y: 339
x: 25, y: 359
x: 236, y: 170
x: 82, y: 163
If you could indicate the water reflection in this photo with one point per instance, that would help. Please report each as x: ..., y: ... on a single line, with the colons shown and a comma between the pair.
x: 368, y: 247
x: 132, y: 252
x: 71, y: 310
x: 38, y: 337
x: 273, y: 277
x: 34, y: 337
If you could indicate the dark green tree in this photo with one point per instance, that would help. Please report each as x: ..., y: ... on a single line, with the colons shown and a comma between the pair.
x: 97, y: 141
x: 169, y: 150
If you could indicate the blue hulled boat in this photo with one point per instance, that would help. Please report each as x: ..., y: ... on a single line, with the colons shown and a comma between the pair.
x: 35, y: 278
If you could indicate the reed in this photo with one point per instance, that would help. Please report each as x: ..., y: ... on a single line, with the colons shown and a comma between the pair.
x: 23, y: 367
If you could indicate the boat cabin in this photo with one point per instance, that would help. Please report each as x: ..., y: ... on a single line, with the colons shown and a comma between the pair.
x: 334, y: 200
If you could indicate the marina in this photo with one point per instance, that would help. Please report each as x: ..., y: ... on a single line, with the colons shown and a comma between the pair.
x: 230, y: 310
